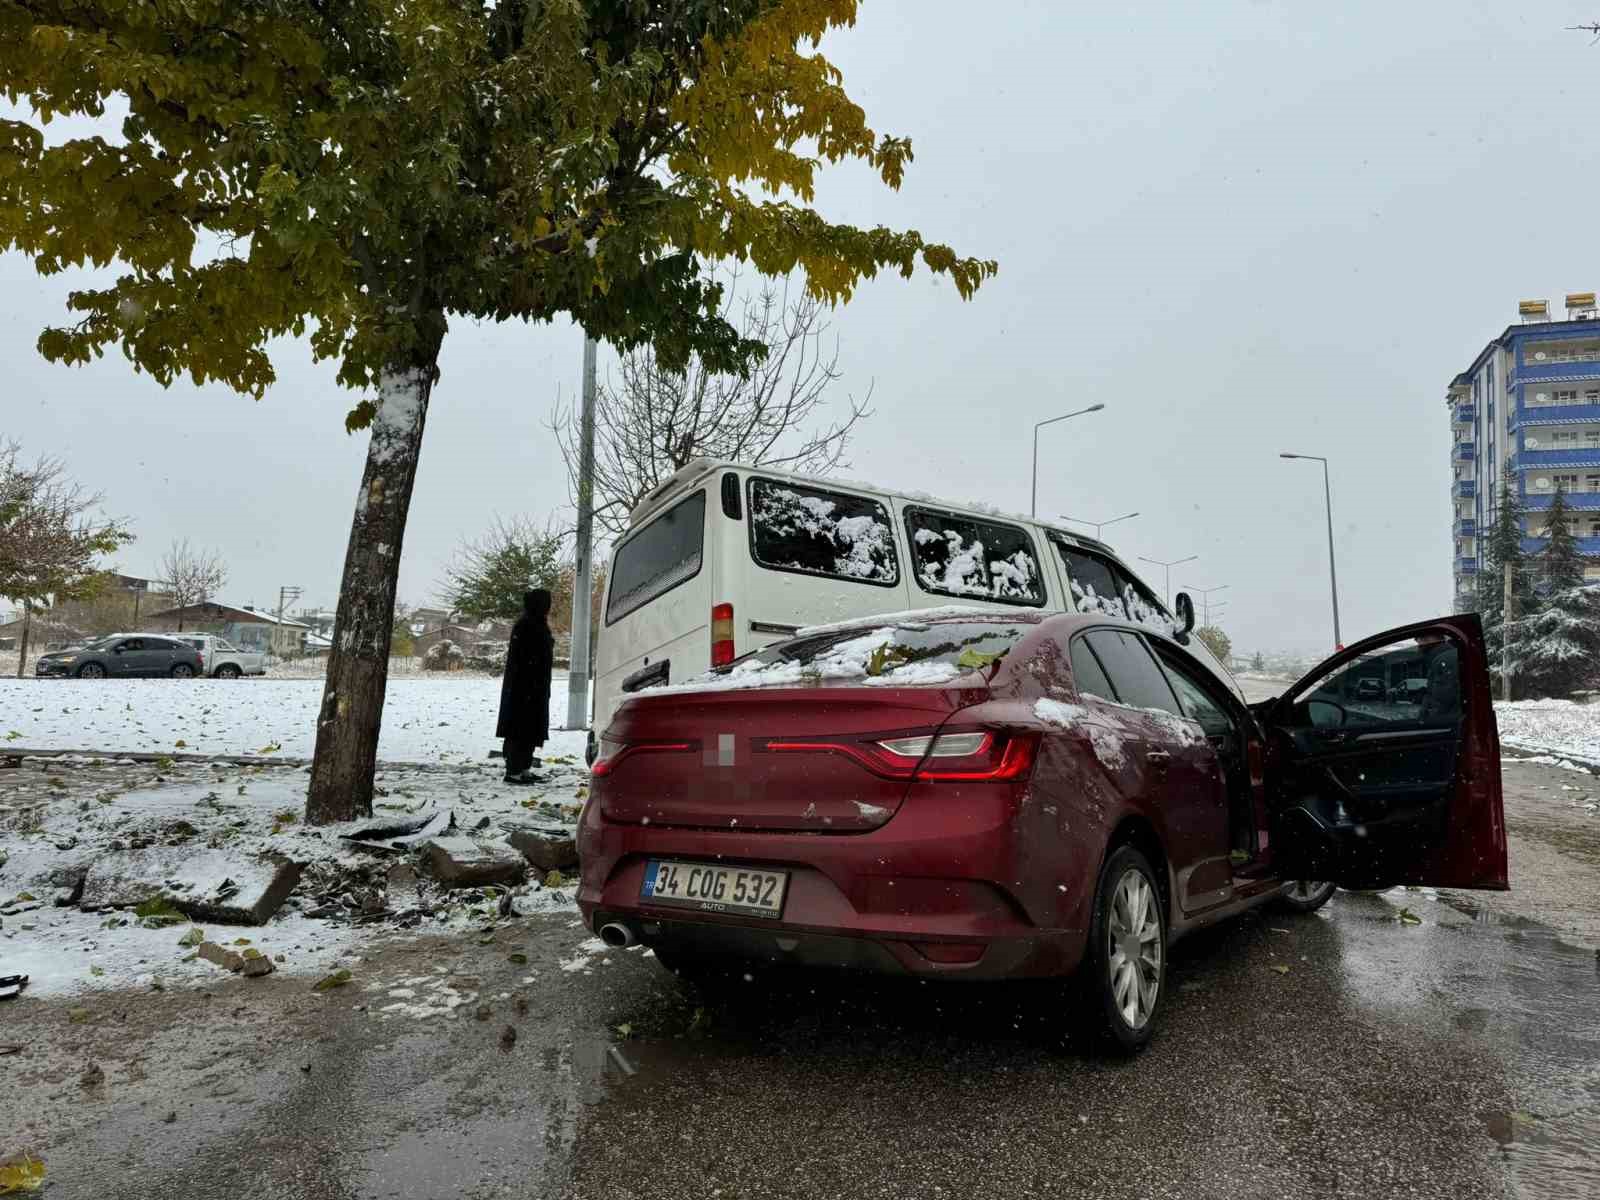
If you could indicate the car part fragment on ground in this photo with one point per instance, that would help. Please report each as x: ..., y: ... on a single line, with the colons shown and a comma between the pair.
x: 402, y: 834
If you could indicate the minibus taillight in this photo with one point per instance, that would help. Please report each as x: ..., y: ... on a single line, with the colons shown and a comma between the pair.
x: 721, y: 635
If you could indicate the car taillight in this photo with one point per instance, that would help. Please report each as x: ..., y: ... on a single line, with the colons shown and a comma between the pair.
x: 721, y: 635
x: 969, y: 757
x: 604, y: 766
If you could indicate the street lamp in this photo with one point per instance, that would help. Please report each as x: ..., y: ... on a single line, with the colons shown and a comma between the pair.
x: 1333, y: 575
x: 1033, y: 508
x: 1099, y: 525
x: 1167, y: 587
x: 1205, y: 597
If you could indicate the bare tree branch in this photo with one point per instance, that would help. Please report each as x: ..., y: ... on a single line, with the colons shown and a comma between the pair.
x: 191, y: 576
x: 650, y: 421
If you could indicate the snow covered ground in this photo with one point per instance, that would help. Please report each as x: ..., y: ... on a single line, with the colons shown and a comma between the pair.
x: 1560, y: 728
x: 73, y: 810
x: 425, y: 720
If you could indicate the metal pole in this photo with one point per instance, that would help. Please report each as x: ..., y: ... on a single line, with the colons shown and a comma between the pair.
x: 582, y: 587
x: 1333, y: 574
x: 1033, y: 504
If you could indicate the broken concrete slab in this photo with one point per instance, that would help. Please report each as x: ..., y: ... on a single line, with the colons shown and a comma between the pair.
x: 258, y: 966
x: 462, y: 862
x: 231, y: 960
x: 548, y: 851
x: 204, y: 885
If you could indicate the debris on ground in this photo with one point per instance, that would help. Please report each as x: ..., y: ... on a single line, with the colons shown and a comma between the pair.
x: 547, y: 850
x: 403, y: 834
x: 462, y: 862
x: 210, y: 885
x: 10, y: 985
x: 508, y: 1038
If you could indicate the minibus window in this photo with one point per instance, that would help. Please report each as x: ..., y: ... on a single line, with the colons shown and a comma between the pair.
x: 819, y: 532
x: 962, y: 556
x: 663, y: 554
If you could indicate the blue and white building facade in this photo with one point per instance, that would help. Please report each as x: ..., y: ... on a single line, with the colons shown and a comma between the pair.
x: 1529, y: 404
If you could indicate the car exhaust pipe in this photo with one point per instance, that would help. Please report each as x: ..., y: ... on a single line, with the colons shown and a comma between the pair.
x: 617, y: 935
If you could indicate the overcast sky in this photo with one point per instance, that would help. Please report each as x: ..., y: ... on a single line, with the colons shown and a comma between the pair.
x: 1243, y: 227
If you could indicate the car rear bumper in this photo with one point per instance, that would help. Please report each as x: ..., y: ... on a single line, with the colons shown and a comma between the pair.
x: 909, y: 898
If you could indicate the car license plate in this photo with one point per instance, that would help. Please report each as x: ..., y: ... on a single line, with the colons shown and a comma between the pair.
x: 740, y: 891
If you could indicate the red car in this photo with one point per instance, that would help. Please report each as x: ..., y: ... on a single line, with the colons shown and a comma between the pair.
x: 995, y: 795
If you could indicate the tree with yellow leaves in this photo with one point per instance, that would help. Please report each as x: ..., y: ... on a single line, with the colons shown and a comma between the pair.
x: 357, y: 171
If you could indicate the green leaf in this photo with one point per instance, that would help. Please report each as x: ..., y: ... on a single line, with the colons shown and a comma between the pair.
x: 193, y: 938
x: 1280, y: 968
x: 338, y: 979
x: 973, y: 660
x: 1406, y: 917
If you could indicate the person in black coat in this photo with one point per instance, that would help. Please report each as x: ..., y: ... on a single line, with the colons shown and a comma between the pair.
x: 525, y: 690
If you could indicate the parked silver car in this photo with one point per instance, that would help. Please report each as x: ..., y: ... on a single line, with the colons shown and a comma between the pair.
x: 223, y: 659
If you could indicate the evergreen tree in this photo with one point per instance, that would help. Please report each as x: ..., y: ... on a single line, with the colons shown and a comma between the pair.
x: 1561, y: 639
x: 1505, y: 550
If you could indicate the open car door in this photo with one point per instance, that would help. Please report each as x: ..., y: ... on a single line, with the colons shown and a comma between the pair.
x: 1383, y: 764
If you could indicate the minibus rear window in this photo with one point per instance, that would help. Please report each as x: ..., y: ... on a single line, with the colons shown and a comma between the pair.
x: 663, y: 554
x: 819, y: 532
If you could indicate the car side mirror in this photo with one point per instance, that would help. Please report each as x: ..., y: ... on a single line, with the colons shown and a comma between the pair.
x: 117, y: 649
x: 1185, y: 613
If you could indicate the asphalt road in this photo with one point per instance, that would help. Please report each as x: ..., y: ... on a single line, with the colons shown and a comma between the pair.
x: 1458, y: 1057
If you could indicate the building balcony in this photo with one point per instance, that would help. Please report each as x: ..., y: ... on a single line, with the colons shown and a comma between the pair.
x: 1465, y: 489
x: 1467, y: 528
x: 1585, y: 456
x: 1531, y: 412
x: 1465, y: 414
x: 1465, y: 452
x: 1466, y: 566
x: 1586, y: 545
x: 1538, y: 501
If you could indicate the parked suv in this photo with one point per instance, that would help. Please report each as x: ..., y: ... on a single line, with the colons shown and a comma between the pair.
x: 124, y: 656
x: 223, y: 659
x: 983, y: 795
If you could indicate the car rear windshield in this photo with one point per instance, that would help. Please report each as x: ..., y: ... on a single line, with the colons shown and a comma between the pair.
x: 818, y: 532
x: 663, y: 554
x: 903, y: 653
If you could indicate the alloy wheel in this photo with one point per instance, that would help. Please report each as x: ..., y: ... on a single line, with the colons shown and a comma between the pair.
x: 182, y: 671
x: 1133, y: 948
x: 91, y: 671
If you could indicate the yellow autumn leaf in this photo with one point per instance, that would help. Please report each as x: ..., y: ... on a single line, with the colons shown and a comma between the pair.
x: 25, y: 1174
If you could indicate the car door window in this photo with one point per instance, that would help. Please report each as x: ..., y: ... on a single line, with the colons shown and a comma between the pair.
x: 1198, y: 703
x: 1087, y: 672
x: 1131, y: 670
x: 1410, y: 683
x: 132, y: 644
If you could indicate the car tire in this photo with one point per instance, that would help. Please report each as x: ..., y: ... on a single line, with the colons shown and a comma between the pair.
x: 1305, y: 896
x: 91, y: 671
x: 1120, y: 999
x: 182, y: 671
x: 227, y: 671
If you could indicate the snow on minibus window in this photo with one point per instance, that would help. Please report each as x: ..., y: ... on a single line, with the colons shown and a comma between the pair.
x: 820, y: 532
x: 663, y: 554
x: 960, y: 556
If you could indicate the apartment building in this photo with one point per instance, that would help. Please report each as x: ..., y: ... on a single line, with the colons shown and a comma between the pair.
x: 1529, y: 404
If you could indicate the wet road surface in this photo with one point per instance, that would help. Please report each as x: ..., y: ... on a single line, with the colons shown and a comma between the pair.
x: 1458, y: 1057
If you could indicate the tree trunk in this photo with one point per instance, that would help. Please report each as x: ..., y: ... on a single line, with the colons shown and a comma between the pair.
x: 358, y: 666
x: 27, y: 628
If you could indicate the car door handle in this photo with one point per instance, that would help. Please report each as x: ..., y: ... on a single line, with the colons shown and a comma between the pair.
x: 1159, y: 757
